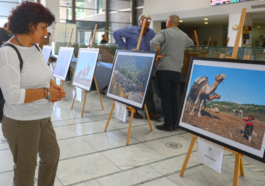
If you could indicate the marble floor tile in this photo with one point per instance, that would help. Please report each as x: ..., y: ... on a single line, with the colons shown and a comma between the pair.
x: 64, y: 132
x: 90, y: 128
x: 108, y: 140
x: 160, y: 182
x: 79, y: 120
x: 90, y: 183
x: 205, y: 176
x: 61, y: 113
x: 6, y: 179
x: 174, y: 164
x: 3, y: 143
x: 132, y: 156
x: 74, y: 147
x: 249, y: 166
x: 143, y: 133
x: 84, y: 168
x: 6, y: 159
x: 115, y: 123
x: 130, y: 177
x: 171, y: 146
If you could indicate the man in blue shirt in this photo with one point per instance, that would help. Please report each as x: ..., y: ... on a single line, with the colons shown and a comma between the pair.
x: 131, y: 35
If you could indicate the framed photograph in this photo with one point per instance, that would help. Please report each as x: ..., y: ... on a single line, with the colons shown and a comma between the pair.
x: 130, y: 77
x: 85, y: 68
x: 46, y: 51
x: 63, y: 62
x: 223, y: 103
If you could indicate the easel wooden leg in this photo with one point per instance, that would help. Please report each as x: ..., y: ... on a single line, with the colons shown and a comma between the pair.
x: 111, y: 111
x: 98, y: 93
x: 236, y: 169
x: 242, y: 171
x: 130, y: 126
x: 73, y: 101
x: 72, y: 71
x: 84, y: 104
x: 188, y: 156
x: 148, y: 118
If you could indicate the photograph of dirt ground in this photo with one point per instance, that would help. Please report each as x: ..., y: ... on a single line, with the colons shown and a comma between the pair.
x: 85, y: 69
x: 225, y: 96
x: 130, y: 77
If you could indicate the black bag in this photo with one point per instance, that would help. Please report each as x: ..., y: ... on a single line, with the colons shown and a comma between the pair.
x: 2, y: 100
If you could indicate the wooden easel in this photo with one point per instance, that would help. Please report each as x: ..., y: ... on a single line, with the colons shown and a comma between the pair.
x: 239, y: 167
x: 96, y: 84
x: 209, y: 41
x: 131, y: 109
x: 196, y: 38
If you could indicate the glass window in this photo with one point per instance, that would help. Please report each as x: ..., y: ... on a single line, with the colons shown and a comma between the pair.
x: 65, y: 10
x: 91, y: 10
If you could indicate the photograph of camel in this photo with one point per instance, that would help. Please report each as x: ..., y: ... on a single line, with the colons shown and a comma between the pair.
x: 85, y: 68
x: 220, y: 101
x: 130, y: 77
x: 46, y: 51
x: 63, y: 62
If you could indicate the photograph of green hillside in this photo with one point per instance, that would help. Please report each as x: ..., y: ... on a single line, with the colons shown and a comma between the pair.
x: 130, y: 77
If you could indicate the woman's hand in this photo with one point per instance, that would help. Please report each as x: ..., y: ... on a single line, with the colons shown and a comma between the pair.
x: 54, y: 94
x: 62, y: 92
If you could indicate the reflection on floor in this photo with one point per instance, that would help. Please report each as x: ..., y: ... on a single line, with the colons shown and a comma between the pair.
x: 91, y: 157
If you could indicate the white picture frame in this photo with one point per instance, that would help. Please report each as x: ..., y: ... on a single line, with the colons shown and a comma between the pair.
x: 63, y: 62
x: 132, y: 90
x: 224, y: 127
x: 85, y: 68
x: 46, y: 51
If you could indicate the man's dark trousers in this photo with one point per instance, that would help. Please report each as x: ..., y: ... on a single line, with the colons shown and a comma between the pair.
x: 149, y: 98
x: 168, y: 84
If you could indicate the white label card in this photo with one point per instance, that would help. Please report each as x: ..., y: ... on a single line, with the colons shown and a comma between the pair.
x: 210, y: 154
x: 120, y: 111
x: 79, y: 94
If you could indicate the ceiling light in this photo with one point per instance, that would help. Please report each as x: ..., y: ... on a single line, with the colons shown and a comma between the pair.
x: 206, y: 19
x: 258, y: 26
x: 180, y: 21
x: 206, y: 23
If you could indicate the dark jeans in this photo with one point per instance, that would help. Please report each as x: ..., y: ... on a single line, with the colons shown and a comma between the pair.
x: 168, y: 84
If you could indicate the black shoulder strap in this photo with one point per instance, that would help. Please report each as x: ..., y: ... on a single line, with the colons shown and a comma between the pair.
x: 36, y: 47
x: 18, y: 54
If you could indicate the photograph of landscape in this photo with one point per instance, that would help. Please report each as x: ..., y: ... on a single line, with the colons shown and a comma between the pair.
x: 130, y: 77
x: 85, y: 69
x: 63, y: 62
x: 225, y: 97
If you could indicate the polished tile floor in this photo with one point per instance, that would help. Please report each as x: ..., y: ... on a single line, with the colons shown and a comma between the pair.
x: 92, y: 157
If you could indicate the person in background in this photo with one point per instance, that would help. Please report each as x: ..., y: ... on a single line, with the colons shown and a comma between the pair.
x: 104, y: 39
x: 29, y: 95
x: 131, y: 35
x: 173, y: 42
x: 263, y: 45
x: 5, y: 34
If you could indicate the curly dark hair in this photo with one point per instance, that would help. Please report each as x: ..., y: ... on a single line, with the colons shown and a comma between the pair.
x: 26, y: 13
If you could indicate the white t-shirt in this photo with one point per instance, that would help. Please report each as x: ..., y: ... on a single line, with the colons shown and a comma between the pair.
x: 13, y: 83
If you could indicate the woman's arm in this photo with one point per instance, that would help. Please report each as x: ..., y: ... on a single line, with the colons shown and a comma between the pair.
x: 37, y: 94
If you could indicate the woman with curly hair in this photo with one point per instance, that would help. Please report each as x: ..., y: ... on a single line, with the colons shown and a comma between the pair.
x: 29, y: 92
